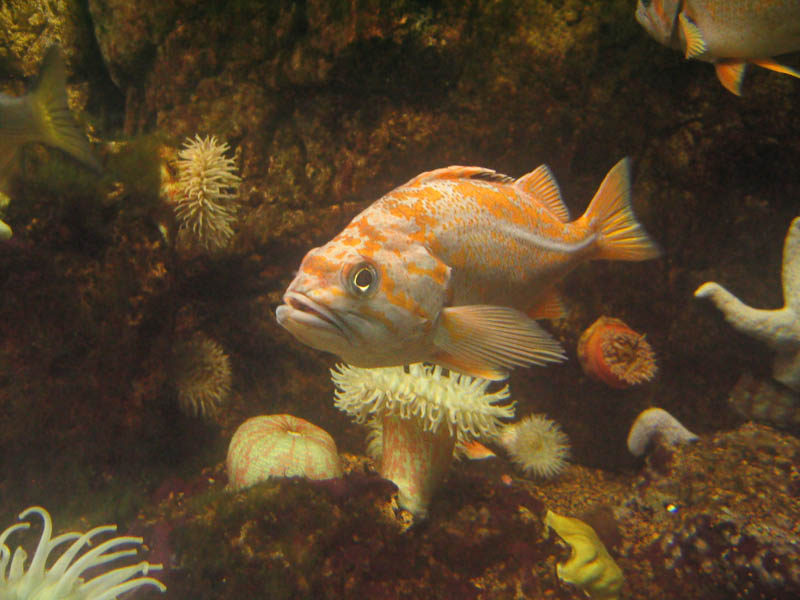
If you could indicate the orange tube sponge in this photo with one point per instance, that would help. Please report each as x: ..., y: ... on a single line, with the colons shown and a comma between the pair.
x: 615, y: 354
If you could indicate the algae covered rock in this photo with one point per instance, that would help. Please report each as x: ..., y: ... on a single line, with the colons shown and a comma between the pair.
x: 726, y: 512
x: 342, y: 539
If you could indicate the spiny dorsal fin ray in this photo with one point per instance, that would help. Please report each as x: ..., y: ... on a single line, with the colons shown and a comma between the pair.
x: 542, y: 185
x: 488, y: 340
x: 460, y: 172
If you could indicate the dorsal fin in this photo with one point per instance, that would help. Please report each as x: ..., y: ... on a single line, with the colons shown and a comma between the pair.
x: 459, y: 172
x: 542, y: 185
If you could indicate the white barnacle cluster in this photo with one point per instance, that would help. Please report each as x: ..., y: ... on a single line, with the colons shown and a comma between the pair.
x: 424, y: 393
x: 206, y: 203
x: 63, y: 581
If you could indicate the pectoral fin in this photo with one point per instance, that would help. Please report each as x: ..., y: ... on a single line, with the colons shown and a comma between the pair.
x: 486, y: 341
x: 695, y: 44
x: 730, y: 74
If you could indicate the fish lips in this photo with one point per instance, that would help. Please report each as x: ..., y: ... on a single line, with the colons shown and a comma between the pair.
x: 311, y: 322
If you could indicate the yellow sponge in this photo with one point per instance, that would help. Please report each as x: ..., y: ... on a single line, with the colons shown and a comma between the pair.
x: 590, y: 566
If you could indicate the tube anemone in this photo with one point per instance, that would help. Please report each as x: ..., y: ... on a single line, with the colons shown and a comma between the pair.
x: 63, y: 581
x: 422, y: 413
x: 611, y: 352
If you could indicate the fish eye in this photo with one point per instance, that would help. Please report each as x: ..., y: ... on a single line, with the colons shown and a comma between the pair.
x: 363, y: 278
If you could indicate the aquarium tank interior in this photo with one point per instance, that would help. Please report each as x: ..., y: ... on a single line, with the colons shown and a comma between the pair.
x: 335, y: 299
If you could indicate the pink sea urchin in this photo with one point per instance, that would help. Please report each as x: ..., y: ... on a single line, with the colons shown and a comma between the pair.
x: 206, y: 201
x: 422, y: 412
x: 537, y: 445
x: 280, y: 446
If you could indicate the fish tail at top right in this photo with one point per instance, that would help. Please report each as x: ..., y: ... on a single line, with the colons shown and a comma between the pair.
x: 619, y: 235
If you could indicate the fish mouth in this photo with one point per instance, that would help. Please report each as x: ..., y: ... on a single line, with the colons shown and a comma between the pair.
x: 645, y: 21
x: 301, y: 312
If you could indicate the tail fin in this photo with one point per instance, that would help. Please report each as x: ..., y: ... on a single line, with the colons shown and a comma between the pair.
x: 54, y: 120
x: 620, y: 236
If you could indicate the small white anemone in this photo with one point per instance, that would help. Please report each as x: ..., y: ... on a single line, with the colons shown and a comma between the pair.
x: 62, y: 581
x: 537, y: 445
x: 421, y: 412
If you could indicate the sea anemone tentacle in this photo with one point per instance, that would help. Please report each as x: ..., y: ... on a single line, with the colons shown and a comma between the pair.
x: 63, y: 580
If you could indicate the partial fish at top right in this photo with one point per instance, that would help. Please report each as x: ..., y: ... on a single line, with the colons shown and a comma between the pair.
x: 727, y: 33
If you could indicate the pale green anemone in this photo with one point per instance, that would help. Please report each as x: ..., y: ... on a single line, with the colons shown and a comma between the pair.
x: 62, y: 581
x: 422, y: 411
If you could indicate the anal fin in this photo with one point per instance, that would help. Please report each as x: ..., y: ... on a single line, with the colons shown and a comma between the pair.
x: 473, y: 450
x: 549, y: 306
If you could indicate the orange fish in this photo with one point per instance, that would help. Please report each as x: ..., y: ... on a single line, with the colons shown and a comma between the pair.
x: 728, y: 33
x: 453, y: 267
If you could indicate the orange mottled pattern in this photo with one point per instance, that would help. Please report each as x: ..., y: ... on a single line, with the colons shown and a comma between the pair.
x: 466, y: 223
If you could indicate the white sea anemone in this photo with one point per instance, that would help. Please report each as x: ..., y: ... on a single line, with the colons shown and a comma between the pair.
x: 201, y: 375
x: 62, y: 581
x: 421, y: 412
x: 537, y: 445
x: 206, y: 201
